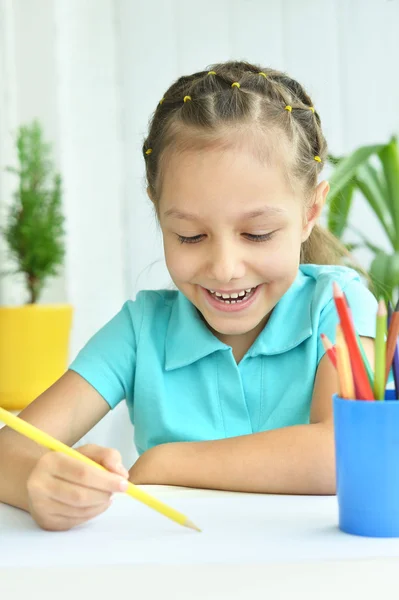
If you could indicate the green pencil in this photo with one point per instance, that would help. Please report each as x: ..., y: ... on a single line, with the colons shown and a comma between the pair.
x: 366, y: 362
x: 380, y: 350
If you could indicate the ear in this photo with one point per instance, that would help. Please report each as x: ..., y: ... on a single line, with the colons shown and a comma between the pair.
x: 149, y: 194
x: 314, y: 211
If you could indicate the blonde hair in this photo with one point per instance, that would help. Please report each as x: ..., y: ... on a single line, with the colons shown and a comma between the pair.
x: 203, y: 106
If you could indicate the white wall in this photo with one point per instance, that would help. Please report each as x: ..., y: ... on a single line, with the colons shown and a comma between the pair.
x: 93, y: 72
x: 345, y: 53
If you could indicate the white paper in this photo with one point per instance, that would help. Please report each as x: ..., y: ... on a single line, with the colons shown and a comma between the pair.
x: 236, y: 529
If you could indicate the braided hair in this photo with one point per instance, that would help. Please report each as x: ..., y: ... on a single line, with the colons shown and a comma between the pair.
x: 205, y: 105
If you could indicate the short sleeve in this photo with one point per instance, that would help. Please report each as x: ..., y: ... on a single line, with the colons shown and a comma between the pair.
x: 108, y: 360
x: 363, y: 306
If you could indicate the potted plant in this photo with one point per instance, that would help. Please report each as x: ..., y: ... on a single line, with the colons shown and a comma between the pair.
x: 34, y: 338
x: 374, y: 172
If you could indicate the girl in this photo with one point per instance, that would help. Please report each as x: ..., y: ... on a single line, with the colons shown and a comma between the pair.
x: 225, y: 377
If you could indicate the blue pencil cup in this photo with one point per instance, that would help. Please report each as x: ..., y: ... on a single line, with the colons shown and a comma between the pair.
x: 367, y: 465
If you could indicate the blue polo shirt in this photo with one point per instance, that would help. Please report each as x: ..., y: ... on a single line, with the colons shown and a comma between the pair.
x: 182, y: 384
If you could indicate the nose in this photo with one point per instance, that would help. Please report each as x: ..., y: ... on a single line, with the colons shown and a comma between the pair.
x: 225, y: 262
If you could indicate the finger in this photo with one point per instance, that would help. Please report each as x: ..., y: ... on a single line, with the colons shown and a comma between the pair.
x: 60, y: 509
x: 67, y: 468
x: 73, y: 494
x: 110, y: 458
x: 64, y: 521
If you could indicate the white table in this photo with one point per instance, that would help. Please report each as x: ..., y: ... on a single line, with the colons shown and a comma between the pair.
x: 283, y: 547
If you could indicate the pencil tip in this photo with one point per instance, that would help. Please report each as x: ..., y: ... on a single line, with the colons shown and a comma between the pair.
x: 336, y: 289
x: 191, y: 525
x: 326, y: 341
x: 382, y: 309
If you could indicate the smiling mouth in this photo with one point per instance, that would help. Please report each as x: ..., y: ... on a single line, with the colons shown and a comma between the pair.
x: 234, y: 298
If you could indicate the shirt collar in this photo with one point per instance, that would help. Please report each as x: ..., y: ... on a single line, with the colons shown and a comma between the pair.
x: 188, y: 339
x: 290, y: 322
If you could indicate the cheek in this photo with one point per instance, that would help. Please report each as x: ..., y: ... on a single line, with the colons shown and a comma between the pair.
x: 180, y: 266
x: 281, y: 258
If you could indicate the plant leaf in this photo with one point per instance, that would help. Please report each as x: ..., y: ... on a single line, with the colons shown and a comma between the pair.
x: 389, y: 156
x: 334, y: 160
x: 368, y: 181
x: 366, y: 241
x: 347, y: 167
x: 338, y: 210
x: 384, y: 272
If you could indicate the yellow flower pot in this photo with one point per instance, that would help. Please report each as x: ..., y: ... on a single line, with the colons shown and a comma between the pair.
x: 34, y: 349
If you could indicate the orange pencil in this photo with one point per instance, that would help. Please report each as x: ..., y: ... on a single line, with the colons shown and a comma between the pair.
x: 330, y: 349
x: 392, y: 340
x: 347, y: 388
x: 366, y: 363
x: 361, y: 382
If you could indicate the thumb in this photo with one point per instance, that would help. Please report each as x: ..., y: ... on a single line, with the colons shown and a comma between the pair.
x: 107, y: 457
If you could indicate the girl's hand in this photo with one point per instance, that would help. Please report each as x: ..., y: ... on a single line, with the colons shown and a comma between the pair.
x: 64, y: 492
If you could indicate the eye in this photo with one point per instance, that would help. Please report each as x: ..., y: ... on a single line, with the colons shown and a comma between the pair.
x: 259, y: 238
x: 190, y: 240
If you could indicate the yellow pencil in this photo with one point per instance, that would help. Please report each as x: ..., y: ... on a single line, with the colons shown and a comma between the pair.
x: 347, y: 387
x: 380, y: 346
x: 42, y: 438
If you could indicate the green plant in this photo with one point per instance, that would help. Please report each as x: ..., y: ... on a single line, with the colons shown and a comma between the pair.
x: 34, y: 229
x: 374, y: 172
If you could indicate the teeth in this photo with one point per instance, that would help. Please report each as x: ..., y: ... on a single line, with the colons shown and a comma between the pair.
x: 240, y: 294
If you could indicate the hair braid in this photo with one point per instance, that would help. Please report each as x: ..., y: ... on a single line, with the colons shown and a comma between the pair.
x: 202, y: 106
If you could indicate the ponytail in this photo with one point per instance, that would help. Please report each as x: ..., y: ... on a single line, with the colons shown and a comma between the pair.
x: 323, y: 248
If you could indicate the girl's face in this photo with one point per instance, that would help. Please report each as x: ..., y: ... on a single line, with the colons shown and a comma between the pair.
x: 231, y: 226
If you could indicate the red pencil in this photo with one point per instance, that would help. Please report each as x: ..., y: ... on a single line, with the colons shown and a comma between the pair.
x: 357, y: 391
x: 392, y: 339
x: 330, y: 349
x: 362, y: 383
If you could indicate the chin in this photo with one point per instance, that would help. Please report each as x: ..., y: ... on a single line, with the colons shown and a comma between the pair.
x: 231, y: 332
x: 232, y: 327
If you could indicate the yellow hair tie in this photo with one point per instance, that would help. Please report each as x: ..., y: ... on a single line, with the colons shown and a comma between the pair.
x: 317, y: 158
x: 148, y: 151
x: 211, y: 72
x: 186, y: 98
x: 161, y: 100
x: 263, y: 74
x: 289, y: 108
x: 235, y: 84
x: 311, y: 108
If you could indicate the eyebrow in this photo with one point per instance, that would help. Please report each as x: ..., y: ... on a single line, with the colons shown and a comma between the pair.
x: 264, y: 211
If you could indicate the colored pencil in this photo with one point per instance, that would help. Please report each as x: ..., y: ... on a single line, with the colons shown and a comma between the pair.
x: 366, y: 363
x: 380, y: 350
x: 395, y: 362
x: 331, y: 351
x: 392, y: 340
x: 44, y: 439
x: 395, y: 369
x: 362, y: 385
x: 347, y: 388
x: 390, y: 311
